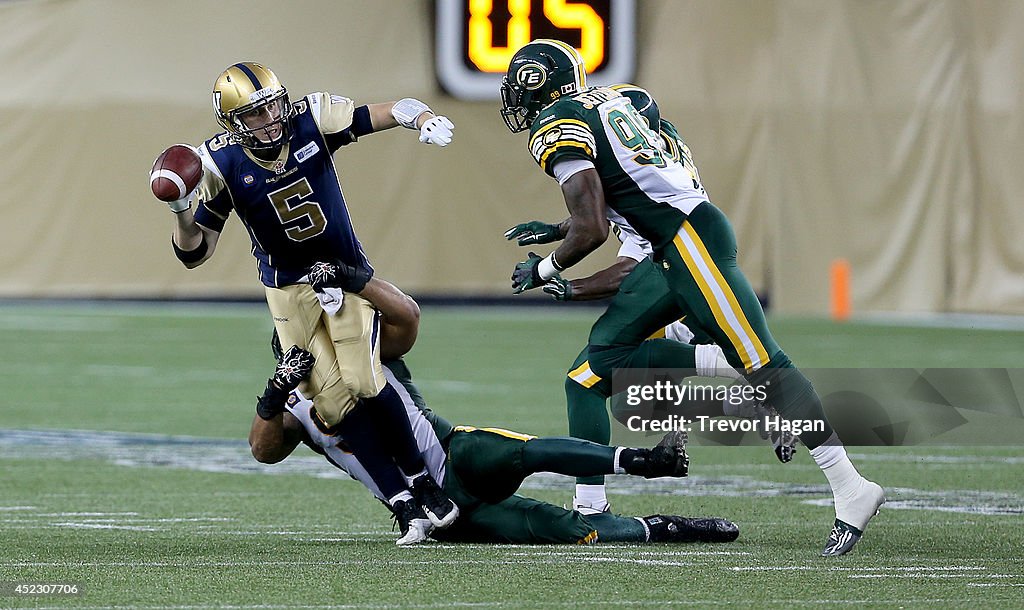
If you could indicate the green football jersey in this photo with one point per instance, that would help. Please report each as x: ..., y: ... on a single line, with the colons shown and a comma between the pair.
x: 642, y: 182
x: 677, y: 149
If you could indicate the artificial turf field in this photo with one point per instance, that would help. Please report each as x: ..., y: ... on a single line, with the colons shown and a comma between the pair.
x: 125, y: 471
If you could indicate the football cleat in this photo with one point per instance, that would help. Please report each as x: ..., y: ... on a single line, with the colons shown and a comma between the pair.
x: 860, y: 509
x: 670, y: 528
x: 667, y: 459
x: 412, y: 522
x: 439, y: 508
x: 782, y: 442
x: 841, y: 539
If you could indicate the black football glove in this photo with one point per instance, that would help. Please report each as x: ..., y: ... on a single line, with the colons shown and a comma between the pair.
x: 534, y: 232
x: 526, y: 274
x: 337, y: 274
x: 294, y: 367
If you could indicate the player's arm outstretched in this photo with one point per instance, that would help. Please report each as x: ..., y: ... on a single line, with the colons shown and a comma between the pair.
x: 601, y: 285
x: 412, y: 114
x: 342, y: 122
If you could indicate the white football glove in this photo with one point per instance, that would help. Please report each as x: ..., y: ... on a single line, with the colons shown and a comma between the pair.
x: 180, y: 205
x: 677, y: 331
x: 437, y: 130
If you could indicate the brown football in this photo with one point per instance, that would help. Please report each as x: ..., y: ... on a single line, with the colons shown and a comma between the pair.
x: 175, y: 173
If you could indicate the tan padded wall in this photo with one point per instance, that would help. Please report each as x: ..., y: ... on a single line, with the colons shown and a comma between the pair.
x: 888, y: 133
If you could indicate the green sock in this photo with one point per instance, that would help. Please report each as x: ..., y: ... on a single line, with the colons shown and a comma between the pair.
x: 651, y: 354
x: 569, y: 456
x: 588, y: 419
x: 793, y: 396
x: 613, y: 528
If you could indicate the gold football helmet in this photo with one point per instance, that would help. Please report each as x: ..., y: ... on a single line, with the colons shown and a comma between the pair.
x: 252, y: 105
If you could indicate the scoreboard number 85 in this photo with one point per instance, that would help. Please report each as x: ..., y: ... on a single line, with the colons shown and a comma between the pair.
x: 475, y: 39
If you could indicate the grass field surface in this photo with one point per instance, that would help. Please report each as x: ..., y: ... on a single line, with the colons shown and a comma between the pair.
x: 125, y: 471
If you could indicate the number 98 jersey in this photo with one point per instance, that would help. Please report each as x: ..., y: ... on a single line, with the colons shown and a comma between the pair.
x: 651, y: 189
x: 292, y: 207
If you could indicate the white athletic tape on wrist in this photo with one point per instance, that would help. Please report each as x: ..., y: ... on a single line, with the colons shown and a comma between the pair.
x: 407, y: 110
x: 549, y: 267
x: 616, y: 468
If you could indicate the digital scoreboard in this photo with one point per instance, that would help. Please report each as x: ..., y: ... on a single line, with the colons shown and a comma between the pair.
x: 476, y: 39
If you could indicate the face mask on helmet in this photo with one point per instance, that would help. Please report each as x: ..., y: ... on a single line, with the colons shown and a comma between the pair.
x: 539, y: 74
x: 253, y: 106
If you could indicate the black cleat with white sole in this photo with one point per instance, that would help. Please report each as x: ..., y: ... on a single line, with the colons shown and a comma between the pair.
x: 440, y: 509
x: 841, y: 540
x: 670, y: 528
x: 412, y: 522
x: 860, y: 508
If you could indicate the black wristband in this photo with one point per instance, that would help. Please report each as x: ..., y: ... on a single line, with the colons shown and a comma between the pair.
x: 190, y: 256
x: 359, y: 280
x: 272, y: 402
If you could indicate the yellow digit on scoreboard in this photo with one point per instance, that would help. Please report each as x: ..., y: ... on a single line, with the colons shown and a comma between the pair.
x: 476, y: 39
x: 584, y: 18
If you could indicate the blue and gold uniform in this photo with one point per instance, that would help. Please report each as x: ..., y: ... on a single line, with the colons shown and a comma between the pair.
x: 293, y: 207
x: 295, y: 213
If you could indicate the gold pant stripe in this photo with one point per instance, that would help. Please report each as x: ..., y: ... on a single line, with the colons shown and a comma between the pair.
x: 719, y: 296
x: 590, y: 538
x: 748, y: 331
x: 584, y: 376
x: 499, y: 431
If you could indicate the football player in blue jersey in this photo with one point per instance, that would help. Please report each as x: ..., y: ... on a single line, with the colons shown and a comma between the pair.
x: 273, y: 167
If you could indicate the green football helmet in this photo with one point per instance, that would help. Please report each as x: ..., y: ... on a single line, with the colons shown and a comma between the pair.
x: 643, y: 101
x: 540, y: 73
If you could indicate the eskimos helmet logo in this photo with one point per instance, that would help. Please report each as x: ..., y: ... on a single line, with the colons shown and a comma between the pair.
x: 532, y: 76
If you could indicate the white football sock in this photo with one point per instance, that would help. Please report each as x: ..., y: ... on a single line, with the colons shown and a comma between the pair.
x: 839, y: 470
x: 856, y: 498
x: 711, y: 362
x: 616, y: 467
x: 398, y: 497
x: 409, y: 480
x: 590, y: 496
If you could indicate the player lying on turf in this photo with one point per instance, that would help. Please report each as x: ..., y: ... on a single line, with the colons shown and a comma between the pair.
x: 481, y: 469
x: 645, y: 289
x: 594, y: 143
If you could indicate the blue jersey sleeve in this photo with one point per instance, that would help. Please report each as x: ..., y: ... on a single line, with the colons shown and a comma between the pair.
x: 214, y: 213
